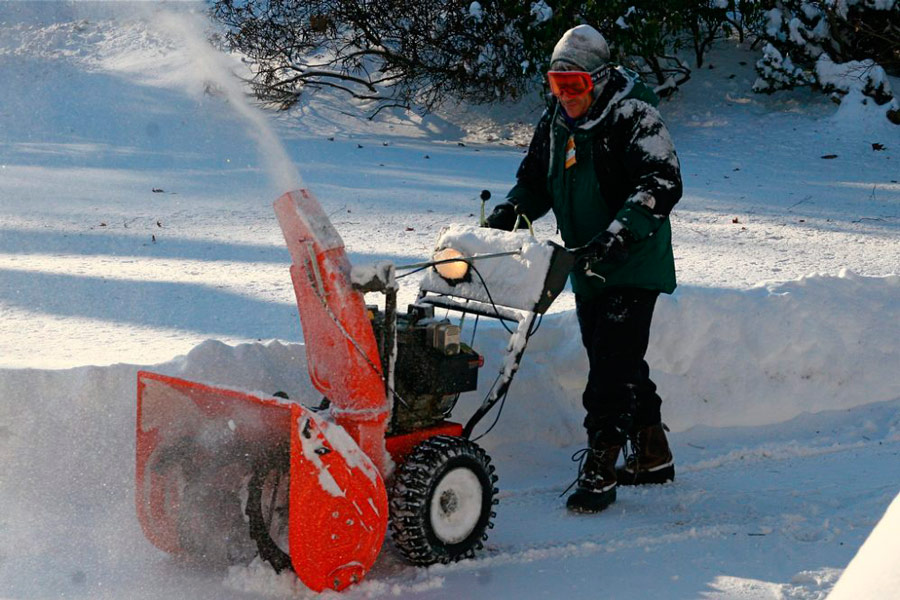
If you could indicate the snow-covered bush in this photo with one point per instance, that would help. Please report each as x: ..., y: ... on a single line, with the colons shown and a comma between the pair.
x: 646, y: 37
x: 837, y: 46
x: 393, y: 52
x: 418, y: 54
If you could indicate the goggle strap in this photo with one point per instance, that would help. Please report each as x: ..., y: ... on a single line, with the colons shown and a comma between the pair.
x: 600, y: 73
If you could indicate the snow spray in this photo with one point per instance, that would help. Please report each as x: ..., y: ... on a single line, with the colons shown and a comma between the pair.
x: 209, y: 65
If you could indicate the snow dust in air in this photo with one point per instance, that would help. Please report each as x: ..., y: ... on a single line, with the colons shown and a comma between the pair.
x: 214, y: 72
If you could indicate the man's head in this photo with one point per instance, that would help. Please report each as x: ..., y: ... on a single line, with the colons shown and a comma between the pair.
x: 583, y: 50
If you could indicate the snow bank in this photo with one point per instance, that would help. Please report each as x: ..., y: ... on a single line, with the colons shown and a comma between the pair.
x: 729, y: 357
x: 875, y: 570
x: 765, y: 355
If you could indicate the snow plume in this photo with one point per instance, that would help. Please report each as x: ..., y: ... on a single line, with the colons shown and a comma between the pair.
x: 213, y: 70
x: 166, y: 47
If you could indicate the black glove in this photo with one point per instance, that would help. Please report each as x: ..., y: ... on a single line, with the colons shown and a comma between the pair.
x: 503, y: 217
x: 606, y: 247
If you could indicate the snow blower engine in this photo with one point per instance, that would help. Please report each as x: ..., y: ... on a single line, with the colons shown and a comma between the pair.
x: 225, y: 476
x: 433, y: 367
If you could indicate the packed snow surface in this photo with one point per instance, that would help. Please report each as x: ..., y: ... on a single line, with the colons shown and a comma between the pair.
x: 137, y: 231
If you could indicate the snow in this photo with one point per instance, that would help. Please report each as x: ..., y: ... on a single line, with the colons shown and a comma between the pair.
x: 514, y: 280
x: 776, y: 356
x: 873, y: 572
x: 383, y: 273
x: 475, y: 11
x: 851, y: 75
x: 517, y: 342
x: 541, y: 11
x: 310, y: 446
x: 843, y: 6
x: 656, y: 146
x: 342, y: 443
x: 805, y: 33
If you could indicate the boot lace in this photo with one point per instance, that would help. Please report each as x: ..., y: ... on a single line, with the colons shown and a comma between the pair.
x: 581, y: 457
x: 633, y: 452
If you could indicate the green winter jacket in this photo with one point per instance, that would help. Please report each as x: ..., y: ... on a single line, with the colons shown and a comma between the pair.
x: 625, y: 169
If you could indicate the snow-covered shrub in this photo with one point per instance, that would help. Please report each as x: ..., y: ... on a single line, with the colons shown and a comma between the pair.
x: 837, y: 46
x: 649, y: 36
x: 392, y: 52
x: 418, y: 54
x: 646, y: 37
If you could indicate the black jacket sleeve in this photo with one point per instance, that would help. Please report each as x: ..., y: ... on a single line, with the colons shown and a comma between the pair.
x: 530, y: 195
x: 652, y: 166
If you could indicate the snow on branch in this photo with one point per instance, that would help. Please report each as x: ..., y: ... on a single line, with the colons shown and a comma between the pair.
x: 393, y: 51
x: 838, y: 46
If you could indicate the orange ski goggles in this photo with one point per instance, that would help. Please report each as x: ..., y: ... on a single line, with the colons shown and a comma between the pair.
x: 570, y: 84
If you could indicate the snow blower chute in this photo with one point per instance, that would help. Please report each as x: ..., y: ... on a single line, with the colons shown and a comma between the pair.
x: 224, y: 475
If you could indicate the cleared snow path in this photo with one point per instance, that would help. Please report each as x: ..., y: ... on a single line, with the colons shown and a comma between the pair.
x: 771, y: 508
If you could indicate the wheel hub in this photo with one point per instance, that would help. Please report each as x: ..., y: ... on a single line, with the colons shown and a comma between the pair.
x: 449, y: 502
x: 457, y: 505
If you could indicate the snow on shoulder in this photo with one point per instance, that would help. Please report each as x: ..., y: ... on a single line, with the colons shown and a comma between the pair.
x: 512, y: 280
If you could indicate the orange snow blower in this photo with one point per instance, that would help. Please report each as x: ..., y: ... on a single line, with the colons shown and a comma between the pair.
x: 224, y: 476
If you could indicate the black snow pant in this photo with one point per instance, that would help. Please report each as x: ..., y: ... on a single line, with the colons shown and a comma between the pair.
x: 619, y: 397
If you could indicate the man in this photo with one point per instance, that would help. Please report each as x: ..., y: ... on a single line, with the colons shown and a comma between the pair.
x: 602, y: 160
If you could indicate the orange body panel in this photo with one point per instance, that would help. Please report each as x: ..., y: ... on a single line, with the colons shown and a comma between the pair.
x: 341, y: 351
x: 399, y: 446
x: 339, y: 509
x: 197, y: 446
x: 194, y: 435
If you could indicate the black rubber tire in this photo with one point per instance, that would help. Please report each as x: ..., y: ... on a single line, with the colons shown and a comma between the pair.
x: 412, y: 495
x: 272, y: 469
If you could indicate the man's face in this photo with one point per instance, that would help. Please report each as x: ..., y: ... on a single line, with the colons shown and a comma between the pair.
x: 577, y: 106
x: 574, y: 91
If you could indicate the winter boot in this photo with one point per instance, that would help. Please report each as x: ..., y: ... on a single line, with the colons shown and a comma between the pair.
x: 651, y: 459
x: 596, y: 478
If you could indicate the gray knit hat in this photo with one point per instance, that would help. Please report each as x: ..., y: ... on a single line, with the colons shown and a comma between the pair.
x: 582, y: 47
